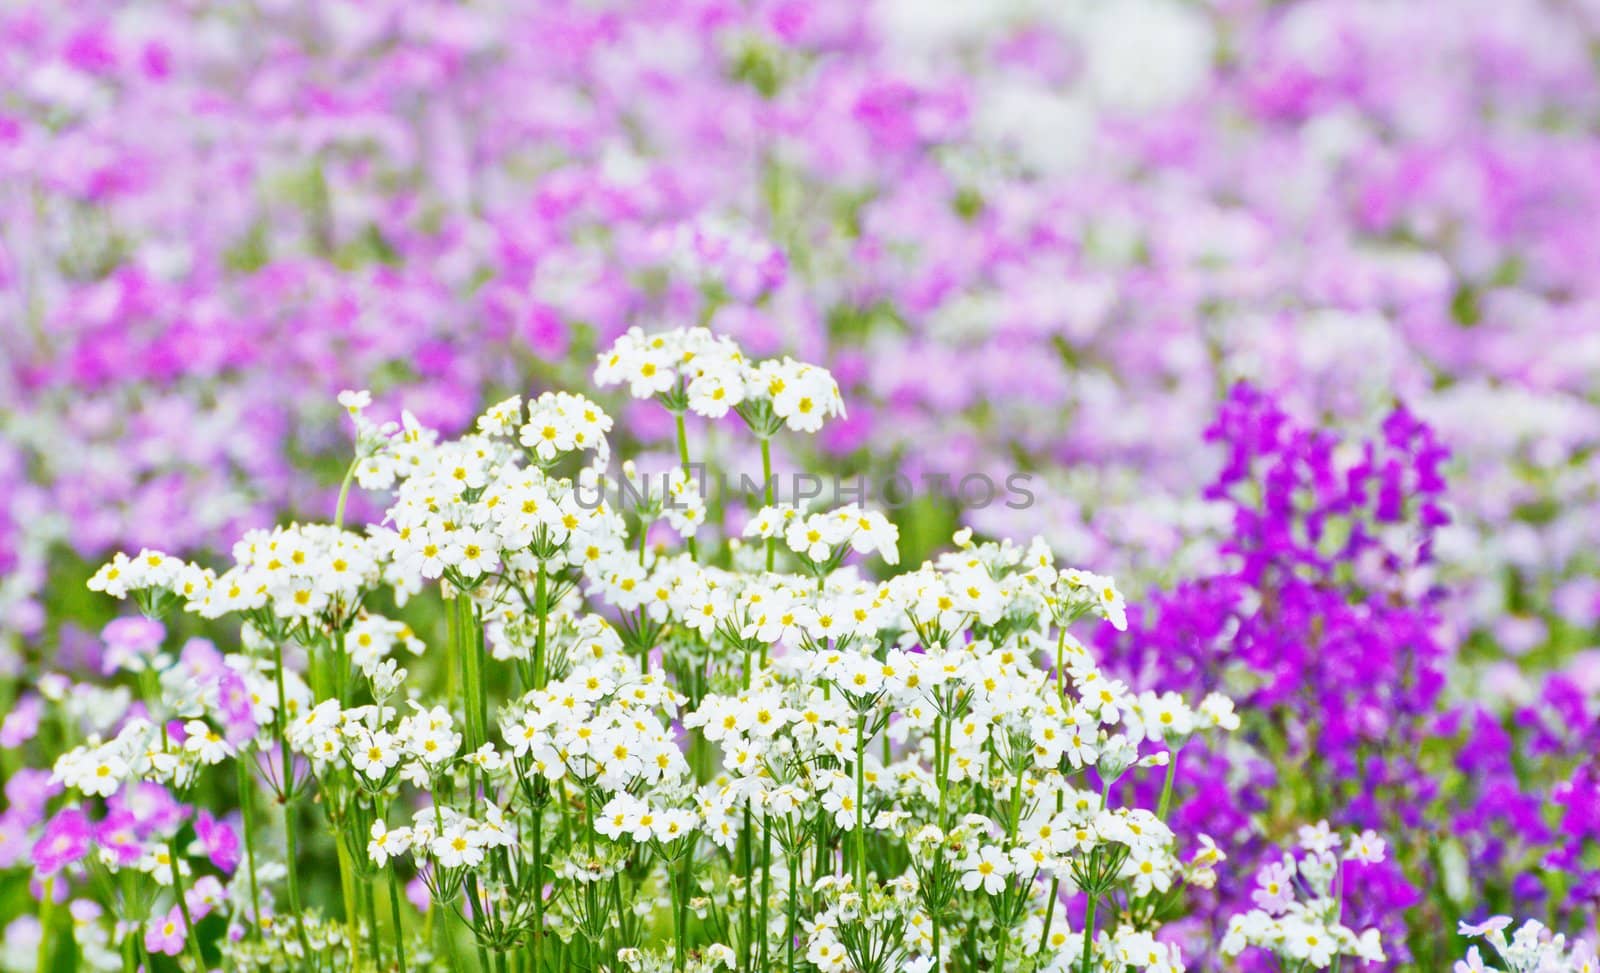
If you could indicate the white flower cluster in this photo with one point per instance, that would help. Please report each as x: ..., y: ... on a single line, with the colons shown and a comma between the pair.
x: 151, y: 578
x: 629, y: 735
x: 384, y: 451
x: 470, y: 509
x: 691, y: 369
x: 1531, y: 949
x: 141, y: 750
x: 822, y: 539
x: 1298, y: 903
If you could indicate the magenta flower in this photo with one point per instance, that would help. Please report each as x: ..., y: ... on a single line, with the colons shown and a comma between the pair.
x: 1275, y: 888
x: 219, y: 841
x: 233, y: 704
x: 65, y: 840
x: 22, y: 723
x: 151, y: 805
x: 28, y: 790
x: 168, y: 936
x: 204, y: 897
x: 129, y: 642
x: 15, y: 845
x: 119, y: 834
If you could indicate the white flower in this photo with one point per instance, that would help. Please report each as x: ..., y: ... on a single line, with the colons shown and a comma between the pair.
x: 205, y: 743
x: 1366, y: 848
x: 987, y: 868
x: 384, y: 844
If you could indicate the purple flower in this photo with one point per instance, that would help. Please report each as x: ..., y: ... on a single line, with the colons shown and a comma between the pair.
x: 22, y: 723
x: 15, y: 842
x: 151, y: 806
x: 119, y: 833
x: 233, y: 704
x: 65, y: 840
x: 1275, y: 888
x: 166, y: 936
x: 219, y: 842
x: 28, y: 790
x: 130, y: 642
x: 203, y: 897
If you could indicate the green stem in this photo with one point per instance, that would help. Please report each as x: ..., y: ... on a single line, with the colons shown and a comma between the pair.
x: 344, y: 493
x: 369, y: 896
x: 1166, y: 785
x: 480, y: 669
x: 46, y: 905
x: 682, y: 905
x: 767, y: 486
x: 747, y: 872
x: 683, y: 457
x: 291, y: 857
x: 347, y: 890
x: 399, y: 926
x: 1055, y: 889
x: 540, y: 594
x: 467, y: 660
x: 247, y: 825
x: 538, y: 881
x: 183, y: 905
x: 763, y: 923
x: 1088, y: 935
x: 1011, y: 839
x: 287, y: 795
x: 938, y: 776
x: 861, y: 804
x: 677, y: 920
x: 794, y: 903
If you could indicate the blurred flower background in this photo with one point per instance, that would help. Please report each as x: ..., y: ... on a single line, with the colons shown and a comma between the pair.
x: 1220, y: 276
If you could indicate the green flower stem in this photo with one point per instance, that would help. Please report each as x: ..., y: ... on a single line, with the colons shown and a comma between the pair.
x: 1055, y: 889
x: 467, y: 659
x: 286, y: 794
x: 1088, y: 933
x: 480, y: 668
x: 767, y: 485
x: 399, y: 925
x: 793, y: 927
x: 347, y: 890
x: 538, y: 875
x: 861, y: 804
x: 369, y: 900
x: 677, y: 919
x: 1061, y: 675
x: 1011, y: 839
x: 747, y: 872
x: 1166, y: 786
x: 763, y: 923
x: 683, y: 457
x: 46, y: 905
x: 344, y: 492
x: 183, y: 906
x: 540, y: 596
x: 938, y: 774
x: 247, y: 825
x: 682, y: 882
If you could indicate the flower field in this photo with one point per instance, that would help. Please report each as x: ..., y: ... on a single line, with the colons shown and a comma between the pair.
x: 1086, y: 486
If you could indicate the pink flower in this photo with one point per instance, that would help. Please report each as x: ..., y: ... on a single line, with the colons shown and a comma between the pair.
x: 167, y: 936
x: 65, y: 840
x: 129, y: 640
x: 118, y: 833
x: 1489, y: 926
x: 221, y: 842
x: 1276, y: 888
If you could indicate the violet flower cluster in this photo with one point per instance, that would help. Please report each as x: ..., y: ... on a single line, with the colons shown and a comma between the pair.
x: 1175, y: 261
x: 1325, y: 623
